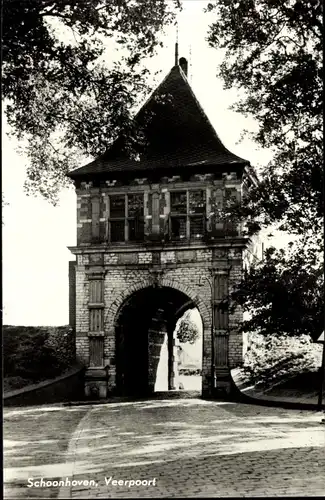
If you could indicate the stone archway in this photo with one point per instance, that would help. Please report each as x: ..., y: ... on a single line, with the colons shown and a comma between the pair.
x: 144, y: 326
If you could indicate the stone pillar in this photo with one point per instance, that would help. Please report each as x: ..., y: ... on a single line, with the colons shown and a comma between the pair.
x: 96, y: 351
x: 222, y: 369
x: 221, y: 329
x: 110, y: 357
x: 96, y: 376
x: 96, y: 383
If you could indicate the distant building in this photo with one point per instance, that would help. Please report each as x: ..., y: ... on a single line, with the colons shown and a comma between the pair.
x: 151, y: 244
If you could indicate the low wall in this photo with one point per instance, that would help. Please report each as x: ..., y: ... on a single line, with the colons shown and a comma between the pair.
x: 66, y: 387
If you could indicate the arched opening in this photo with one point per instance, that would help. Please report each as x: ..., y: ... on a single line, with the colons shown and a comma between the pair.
x: 147, y: 349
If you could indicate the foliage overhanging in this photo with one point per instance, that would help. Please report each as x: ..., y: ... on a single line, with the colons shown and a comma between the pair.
x: 273, y: 51
x: 65, y: 92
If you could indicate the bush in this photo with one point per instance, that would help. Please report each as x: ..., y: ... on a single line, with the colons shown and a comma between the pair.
x: 190, y: 371
x: 187, y: 330
x: 13, y: 383
x: 37, y: 353
x: 272, y: 359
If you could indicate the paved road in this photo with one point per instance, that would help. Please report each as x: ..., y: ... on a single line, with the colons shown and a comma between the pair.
x: 182, y: 448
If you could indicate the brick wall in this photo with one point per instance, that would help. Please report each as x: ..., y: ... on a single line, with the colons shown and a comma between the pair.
x: 72, y: 293
x: 82, y: 312
x: 187, y: 271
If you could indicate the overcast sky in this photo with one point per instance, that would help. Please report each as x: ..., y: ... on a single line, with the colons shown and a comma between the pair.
x: 36, y: 235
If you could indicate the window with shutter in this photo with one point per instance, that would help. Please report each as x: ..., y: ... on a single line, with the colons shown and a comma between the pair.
x: 187, y: 214
x: 197, y: 211
x: 178, y: 227
x: 135, y: 217
x: 117, y: 206
x: 96, y: 305
x: 96, y: 291
x: 231, y: 200
x: 221, y: 316
x: 221, y: 302
x: 117, y: 218
x: 117, y: 231
x: 222, y: 219
x: 96, y: 323
x: 126, y: 217
x: 178, y: 211
x: 96, y: 351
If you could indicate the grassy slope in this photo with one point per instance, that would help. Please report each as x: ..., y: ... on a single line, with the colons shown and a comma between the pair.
x: 34, y: 354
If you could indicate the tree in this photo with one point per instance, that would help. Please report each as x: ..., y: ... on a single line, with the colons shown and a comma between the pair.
x: 285, y: 291
x: 273, y: 52
x: 187, y: 330
x: 64, y: 93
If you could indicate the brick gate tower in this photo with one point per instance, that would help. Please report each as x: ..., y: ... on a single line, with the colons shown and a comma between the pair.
x: 151, y: 244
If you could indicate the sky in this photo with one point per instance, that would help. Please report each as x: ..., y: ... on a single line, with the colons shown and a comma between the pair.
x: 36, y: 235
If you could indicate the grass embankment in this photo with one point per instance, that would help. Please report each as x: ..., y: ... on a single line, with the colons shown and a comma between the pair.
x: 34, y: 354
x: 282, y: 363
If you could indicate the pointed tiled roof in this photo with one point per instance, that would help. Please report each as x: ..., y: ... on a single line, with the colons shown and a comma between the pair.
x: 178, y: 135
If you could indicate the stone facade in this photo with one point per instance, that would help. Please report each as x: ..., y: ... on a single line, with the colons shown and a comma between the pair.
x: 123, y: 269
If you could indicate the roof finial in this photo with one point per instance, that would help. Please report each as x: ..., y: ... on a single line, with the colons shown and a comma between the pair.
x: 176, y: 45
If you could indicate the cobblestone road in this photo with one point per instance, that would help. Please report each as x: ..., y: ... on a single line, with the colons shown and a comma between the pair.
x: 190, y: 448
